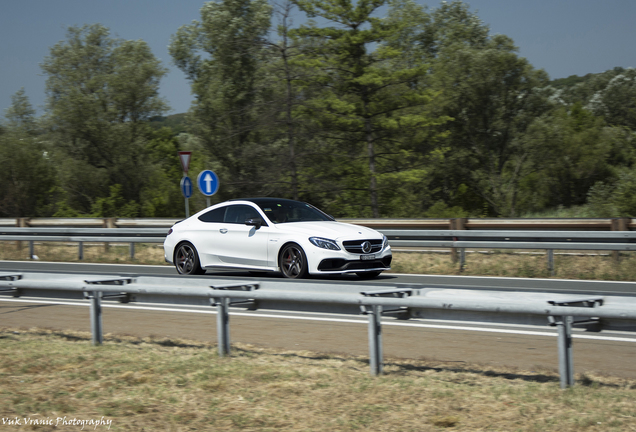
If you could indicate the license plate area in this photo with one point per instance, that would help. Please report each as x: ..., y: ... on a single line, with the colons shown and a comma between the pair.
x: 368, y: 257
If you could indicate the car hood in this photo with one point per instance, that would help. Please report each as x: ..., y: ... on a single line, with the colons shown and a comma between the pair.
x: 330, y: 230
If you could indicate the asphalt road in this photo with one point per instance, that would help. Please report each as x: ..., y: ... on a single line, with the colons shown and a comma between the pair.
x: 525, y: 347
x: 386, y: 279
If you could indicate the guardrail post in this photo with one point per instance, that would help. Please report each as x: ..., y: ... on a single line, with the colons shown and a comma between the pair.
x: 619, y: 224
x: 109, y: 223
x: 132, y: 251
x: 96, y: 317
x: 223, y: 314
x: 566, y: 359
x: 223, y: 325
x: 564, y: 328
x: 550, y: 255
x: 21, y: 223
x: 96, y: 304
x: 456, y: 255
x: 375, y: 340
x: 31, y: 249
x: 80, y: 251
x: 375, y: 324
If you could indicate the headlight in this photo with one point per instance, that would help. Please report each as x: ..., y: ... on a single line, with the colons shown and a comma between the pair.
x: 385, y: 242
x: 324, y: 243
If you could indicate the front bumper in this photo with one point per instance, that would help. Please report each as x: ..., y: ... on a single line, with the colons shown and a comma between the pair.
x: 342, y: 265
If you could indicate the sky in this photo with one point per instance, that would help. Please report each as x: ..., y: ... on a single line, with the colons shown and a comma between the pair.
x: 563, y: 37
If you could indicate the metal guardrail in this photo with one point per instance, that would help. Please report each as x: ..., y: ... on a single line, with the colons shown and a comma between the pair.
x: 89, y: 222
x: 560, y: 310
x: 456, y: 240
x: 83, y: 235
x: 576, y: 240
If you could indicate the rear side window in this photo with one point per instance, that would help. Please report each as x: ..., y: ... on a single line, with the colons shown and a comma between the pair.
x: 239, y: 213
x: 216, y: 215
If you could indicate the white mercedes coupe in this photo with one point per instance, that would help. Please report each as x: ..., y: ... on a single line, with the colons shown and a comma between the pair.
x: 274, y: 234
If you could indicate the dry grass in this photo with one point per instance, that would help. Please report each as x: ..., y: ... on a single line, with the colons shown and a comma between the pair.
x: 178, y: 385
x: 592, y: 265
x: 116, y: 253
x: 508, y: 264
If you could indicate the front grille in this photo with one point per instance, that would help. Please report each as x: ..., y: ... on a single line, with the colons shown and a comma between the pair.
x: 355, y: 246
x: 340, y: 265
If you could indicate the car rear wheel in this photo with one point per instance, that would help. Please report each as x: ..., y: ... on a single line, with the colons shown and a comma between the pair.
x: 186, y: 260
x: 293, y: 262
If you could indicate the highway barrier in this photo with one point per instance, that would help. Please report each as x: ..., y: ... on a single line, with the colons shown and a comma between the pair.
x: 457, y: 240
x: 564, y: 311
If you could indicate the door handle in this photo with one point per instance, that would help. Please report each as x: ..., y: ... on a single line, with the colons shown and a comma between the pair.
x: 223, y: 230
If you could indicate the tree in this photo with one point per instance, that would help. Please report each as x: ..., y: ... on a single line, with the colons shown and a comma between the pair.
x: 364, y: 101
x: 28, y: 176
x: 101, y: 92
x: 288, y: 76
x: 569, y: 151
x: 223, y: 57
x: 616, y: 102
x: 493, y: 95
x: 21, y: 115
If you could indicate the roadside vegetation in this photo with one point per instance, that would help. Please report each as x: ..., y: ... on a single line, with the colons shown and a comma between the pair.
x: 591, y: 265
x: 178, y: 385
x: 384, y: 108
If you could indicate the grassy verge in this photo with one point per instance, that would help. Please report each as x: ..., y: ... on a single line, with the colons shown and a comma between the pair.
x: 591, y: 266
x: 495, y: 263
x: 158, y: 384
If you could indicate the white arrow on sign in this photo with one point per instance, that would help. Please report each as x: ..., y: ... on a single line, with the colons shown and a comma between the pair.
x: 208, y: 182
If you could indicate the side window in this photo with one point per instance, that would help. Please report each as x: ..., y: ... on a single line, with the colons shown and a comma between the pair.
x: 215, y: 215
x: 238, y: 214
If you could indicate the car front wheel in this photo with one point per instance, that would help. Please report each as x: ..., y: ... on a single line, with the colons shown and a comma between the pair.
x: 186, y: 260
x: 293, y: 262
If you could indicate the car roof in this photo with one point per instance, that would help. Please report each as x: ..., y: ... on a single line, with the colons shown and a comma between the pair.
x: 264, y: 199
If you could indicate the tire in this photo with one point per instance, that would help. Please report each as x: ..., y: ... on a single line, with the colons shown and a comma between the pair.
x: 368, y: 275
x: 186, y: 260
x: 293, y: 262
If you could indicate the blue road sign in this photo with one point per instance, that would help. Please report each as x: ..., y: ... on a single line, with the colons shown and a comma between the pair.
x: 186, y: 187
x: 208, y: 182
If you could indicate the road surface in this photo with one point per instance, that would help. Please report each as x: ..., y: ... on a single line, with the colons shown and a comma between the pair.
x: 525, y: 347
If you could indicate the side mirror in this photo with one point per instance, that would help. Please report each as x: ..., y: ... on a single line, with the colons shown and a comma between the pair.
x: 255, y: 222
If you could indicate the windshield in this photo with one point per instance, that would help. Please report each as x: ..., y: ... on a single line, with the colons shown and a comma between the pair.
x: 284, y: 211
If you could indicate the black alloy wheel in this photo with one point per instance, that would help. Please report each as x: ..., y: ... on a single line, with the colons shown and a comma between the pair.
x: 186, y: 260
x: 293, y: 262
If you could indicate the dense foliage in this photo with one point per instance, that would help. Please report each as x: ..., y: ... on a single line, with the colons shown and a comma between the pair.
x: 369, y: 108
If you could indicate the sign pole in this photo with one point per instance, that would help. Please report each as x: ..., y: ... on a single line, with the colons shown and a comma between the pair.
x: 186, y: 183
x: 208, y: 183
